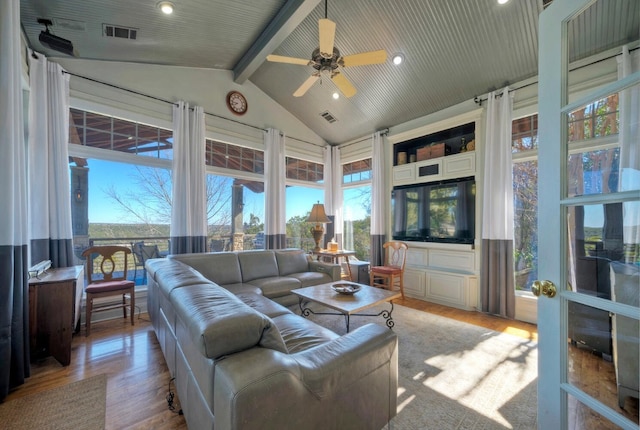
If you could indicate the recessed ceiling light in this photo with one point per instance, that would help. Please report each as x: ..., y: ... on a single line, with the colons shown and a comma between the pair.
x: 398, y: 59
x: 336, y: 96
x: 166, y: 7
x: 503, y: 1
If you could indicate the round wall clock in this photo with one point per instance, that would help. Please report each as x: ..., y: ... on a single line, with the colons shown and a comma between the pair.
x: 237, y: 103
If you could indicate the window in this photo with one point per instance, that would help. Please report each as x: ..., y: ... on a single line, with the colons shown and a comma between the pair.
x: 594, y: 153
x: 299, y: 201
x: 234, y: 157
x: 302, y: 170
x: 106, y: 132
x: 357, y: 171
x: 304, y: 188
x: 235, y: 213
x: 356, y: 207
x: 129, y: 200
x: 116, y: 203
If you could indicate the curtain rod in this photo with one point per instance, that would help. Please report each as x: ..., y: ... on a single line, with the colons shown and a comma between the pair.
x: 479, y: 100
x: 175, y: 104
x: 157, y: 98
x: 305, y: 141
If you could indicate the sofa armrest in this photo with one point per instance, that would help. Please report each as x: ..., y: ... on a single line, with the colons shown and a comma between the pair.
x: 335, y: 365
x: 352, y: 377
x: 333, y: 270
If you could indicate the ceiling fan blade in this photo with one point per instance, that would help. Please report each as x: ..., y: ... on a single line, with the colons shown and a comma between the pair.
x: 364, y: 58
x: 327, y: 32
x: 306, y: 85
x: 289, y: 60
x: 343, y: 84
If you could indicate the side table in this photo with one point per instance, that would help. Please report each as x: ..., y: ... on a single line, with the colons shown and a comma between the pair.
x: 335, y: 256
x: 52, y: 313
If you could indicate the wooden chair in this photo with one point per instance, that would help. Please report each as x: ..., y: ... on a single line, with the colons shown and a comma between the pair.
x: 106, y: 269
x: 392, y: 273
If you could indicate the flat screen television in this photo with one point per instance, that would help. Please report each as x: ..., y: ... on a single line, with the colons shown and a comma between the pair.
x: 443, y: 211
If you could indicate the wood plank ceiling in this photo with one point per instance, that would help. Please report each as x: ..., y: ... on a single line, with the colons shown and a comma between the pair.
x: 454, y: 50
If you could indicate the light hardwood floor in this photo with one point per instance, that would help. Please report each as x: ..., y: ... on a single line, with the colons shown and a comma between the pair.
x: 138, y: 378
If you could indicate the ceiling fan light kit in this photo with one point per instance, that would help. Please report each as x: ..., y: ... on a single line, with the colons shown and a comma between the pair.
x: 327, y: 60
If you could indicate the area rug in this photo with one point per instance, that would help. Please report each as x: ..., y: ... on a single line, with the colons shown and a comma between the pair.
x: 454, y: 375
x: 80, y: 405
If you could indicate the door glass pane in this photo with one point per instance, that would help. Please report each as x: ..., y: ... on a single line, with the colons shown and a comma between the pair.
x: 604, y: 155
x: 581, y: 417
x: 603, y: 349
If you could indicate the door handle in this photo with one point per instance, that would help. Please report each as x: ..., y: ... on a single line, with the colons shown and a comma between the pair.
x: 546, y: 288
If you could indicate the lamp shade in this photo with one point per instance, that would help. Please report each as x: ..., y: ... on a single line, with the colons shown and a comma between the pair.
x: 317, y: 214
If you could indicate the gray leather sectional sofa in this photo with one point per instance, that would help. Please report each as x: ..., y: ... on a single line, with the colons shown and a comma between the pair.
x: 242, y: 361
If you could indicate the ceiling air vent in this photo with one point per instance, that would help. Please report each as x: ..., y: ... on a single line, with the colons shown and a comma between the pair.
x: 119, y: 32
x: 328, y: 116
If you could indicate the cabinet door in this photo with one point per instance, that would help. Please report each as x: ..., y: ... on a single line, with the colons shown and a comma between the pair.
x: 460, y: 165
x: 446, y: 288
x: 404, y: 174
x: 414, y: 283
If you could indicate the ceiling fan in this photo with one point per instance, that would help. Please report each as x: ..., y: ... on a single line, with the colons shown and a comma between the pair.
x: 326, y: 59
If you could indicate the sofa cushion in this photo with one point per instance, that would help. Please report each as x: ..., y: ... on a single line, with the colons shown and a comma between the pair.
x: 300, y: 334
x: 257, y: 264
x: 242, y: 288
x: 175, y: 274
x: 263, y: 305
x: 307, y: 279
x: 276, y: 286
x: 222, y: 268
x: 291, y: 261
x: 220, y: 324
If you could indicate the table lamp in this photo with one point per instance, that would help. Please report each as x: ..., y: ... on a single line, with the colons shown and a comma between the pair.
x: 317, y: 216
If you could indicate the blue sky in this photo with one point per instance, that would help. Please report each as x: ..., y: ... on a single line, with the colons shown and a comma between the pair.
x: 123, y: 177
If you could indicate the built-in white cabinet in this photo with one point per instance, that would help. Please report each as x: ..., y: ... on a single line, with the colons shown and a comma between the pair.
x: 447, y: 275
x: 448, y: 167
x: 439, y: 270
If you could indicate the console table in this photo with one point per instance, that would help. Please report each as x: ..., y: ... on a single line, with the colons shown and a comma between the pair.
x: 52, y: 313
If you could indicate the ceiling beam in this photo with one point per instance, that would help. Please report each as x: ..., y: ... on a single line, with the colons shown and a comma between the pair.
x: 287, y: 19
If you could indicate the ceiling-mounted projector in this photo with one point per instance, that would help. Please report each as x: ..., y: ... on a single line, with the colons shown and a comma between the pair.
x: 55, y: 42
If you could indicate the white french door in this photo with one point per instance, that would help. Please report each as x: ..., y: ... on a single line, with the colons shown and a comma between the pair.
x: 589, y: 220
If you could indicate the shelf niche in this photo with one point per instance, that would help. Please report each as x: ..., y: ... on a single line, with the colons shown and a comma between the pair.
x: 453, y: 139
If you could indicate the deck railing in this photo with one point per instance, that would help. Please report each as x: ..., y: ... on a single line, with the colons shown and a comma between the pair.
x: 135, y: 267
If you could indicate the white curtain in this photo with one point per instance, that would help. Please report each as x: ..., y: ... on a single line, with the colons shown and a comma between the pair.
x: 497, y: 278
x: 333, y: 203
x: 274, y: 199
x: 378, y: 199
x: 629, y: 107
x: 188, y: 196
x: 51, y: 231
x: 14, y: 239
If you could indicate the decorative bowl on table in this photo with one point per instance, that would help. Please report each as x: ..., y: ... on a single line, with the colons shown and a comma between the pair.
x: 345, y: 288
